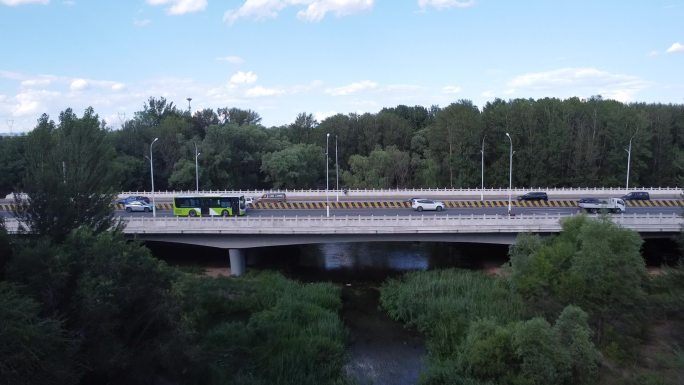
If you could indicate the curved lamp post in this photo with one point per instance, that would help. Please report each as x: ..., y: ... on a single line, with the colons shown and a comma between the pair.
x: 197, y: 154
x: 154, y: 206
x: 510, y: 173
x: 482, y: 185
x: 327, y: 201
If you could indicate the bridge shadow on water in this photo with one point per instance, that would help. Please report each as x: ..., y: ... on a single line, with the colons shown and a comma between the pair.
x: 381, y: 351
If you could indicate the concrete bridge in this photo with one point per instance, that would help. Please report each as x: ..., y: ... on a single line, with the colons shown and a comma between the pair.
x: 237, y: 234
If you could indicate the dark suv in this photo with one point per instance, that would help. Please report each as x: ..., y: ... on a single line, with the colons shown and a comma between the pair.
x: 637, y: 196
x: 534, y: 196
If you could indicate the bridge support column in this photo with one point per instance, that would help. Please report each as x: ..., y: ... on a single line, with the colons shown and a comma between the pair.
x: 237, y: 262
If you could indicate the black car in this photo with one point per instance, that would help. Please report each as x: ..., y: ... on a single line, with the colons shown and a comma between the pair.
x: 534, y: 196
x: 637, y: 196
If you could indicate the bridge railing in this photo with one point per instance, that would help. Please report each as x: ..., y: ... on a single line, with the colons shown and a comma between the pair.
x: 485, y: 223
x: 553, y: 192
x: 389, y: 224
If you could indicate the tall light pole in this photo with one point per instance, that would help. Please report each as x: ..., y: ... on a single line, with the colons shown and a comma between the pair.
x: 189, y: 109
x: 482, y: 185
x: 154, y: 206
x: 337, y: 172
x: 327, y: 201
x: 197, y: 154
x: 629, y: 158
x: 510, y: 173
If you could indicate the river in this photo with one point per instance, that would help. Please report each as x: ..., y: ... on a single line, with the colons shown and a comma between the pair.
x: 380, y: 350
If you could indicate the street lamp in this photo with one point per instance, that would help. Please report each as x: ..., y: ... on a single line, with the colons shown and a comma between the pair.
x: 197, y: 154
x: 327, y: 201
x: 482, y: 185
x: 154, y: 206
x: 189, y: 109
x: 510, y: 173
x: 337, y: 172
x: 629, y: 157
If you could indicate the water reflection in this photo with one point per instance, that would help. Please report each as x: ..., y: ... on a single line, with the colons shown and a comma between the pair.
x: 373, y: 261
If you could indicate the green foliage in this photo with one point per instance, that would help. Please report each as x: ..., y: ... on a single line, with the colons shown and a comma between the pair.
x: 593, y: 264
x: 389, y: 168
x: 442, y: 304
x: 114, y: 296
x: 5, y: 248
x: 666, y: 293
x: 68, y: 179
x: 530, y: 352
x: 297, y: 166
x: 264, y: 329
x: 33, y: 349
x: 12, y: 163
x: 475, y: 332
x: 569, y: 142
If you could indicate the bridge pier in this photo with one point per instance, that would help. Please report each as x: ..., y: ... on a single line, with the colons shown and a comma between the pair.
x: 237, y: 262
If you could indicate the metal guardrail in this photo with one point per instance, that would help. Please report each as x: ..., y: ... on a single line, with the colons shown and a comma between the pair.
x: 381, y: 224
x: 673, y: 192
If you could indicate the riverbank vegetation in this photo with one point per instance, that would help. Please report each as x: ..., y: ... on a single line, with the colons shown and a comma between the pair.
x: 96, y: 308
x: 557, y: 143
x: 577, y: 308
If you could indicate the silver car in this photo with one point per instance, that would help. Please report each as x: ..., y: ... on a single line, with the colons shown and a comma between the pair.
x: 427, y: 204
x: 138, y: 206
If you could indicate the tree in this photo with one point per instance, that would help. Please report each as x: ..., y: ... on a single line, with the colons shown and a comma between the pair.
x: 11, y: 163
x: 68, y: 176
x: 238, y: 116
x: 112, y: 294
x: 33, y: 349
x: 593, y: 264
x: 297, y: 166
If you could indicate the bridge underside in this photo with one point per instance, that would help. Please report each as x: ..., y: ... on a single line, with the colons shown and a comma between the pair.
x: 227, y: 241
x: 242, y: 241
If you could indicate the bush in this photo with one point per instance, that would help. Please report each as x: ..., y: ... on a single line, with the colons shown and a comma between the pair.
x: 441, y: 304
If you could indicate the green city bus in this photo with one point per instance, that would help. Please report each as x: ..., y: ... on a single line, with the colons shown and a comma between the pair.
x: 209, y: 205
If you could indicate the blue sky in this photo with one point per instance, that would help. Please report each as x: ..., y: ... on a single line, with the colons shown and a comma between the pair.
x: 283, y: 57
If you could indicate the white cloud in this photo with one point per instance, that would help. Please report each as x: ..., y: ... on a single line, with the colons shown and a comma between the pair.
x: 352, y: 88
x: 12, y: 3
x: 260, y: 91
x: 653, y: 53
x: 79, y: 85
x: 180, y: 7
x: 675, y: 47
x: 38, y: 82
x: 69, y: 3
x: 231, y: 59
x: 11, y: 75
x: 31, y: 103
x: 141, y: 22
x: 451, y: 89
x: 487, y: 93
x: 578, y: 82
x: 118, y: 87
x: 322, y: 115
x: 315, y: 10
x: 444, y: 4
x: 243, y: 77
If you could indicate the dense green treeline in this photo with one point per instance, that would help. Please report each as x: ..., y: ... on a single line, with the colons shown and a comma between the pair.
x: 556, y: 142
x: 571, y: 309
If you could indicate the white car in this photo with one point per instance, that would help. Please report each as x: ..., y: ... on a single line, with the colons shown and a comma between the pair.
x: 138, y: 206
x: 427, y: 204
x: 249, y: 202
